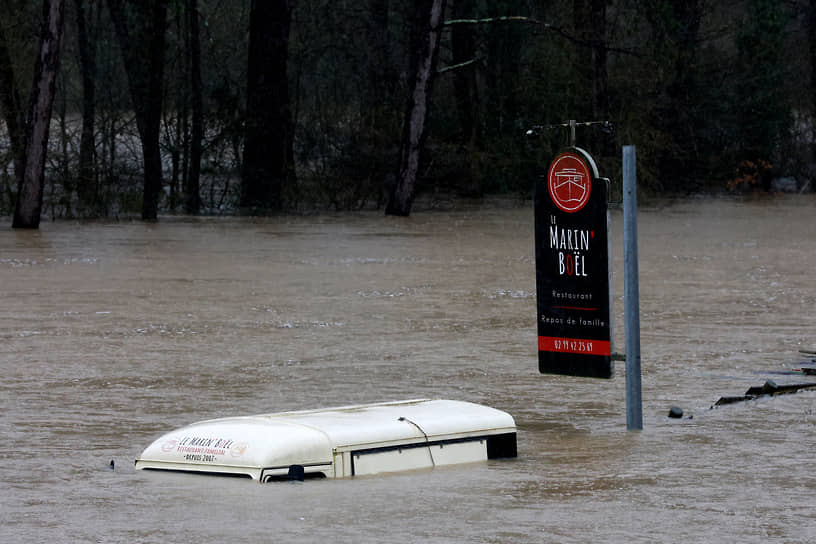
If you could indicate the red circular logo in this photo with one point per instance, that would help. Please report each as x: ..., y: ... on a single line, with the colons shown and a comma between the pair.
x: 569, y: 182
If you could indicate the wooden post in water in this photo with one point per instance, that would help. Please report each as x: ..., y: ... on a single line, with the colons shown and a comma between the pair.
x: 634, y: 404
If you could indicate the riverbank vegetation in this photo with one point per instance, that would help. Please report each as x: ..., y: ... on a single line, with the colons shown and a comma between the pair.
x: 222, y: 107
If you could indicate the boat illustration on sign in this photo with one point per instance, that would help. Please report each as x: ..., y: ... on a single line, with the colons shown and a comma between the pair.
x: 569, y: 182
x: 570, y: 185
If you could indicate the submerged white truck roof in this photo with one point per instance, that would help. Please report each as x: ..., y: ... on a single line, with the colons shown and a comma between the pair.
x: 337, y: 442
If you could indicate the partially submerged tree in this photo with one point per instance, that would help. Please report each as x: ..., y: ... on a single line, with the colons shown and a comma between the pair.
x: 141, y: 25
x: 426, y: 31
x: 86, y: 177
x: 269, y: 132
x: 811, y: 35
x: 192, y: 188
x: 11, y: 105
x: 30, y: 194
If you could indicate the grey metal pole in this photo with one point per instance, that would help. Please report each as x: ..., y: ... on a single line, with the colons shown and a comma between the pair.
x: 634, y: 403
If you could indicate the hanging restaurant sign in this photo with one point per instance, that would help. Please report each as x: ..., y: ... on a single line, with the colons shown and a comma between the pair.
x: 572, y: 268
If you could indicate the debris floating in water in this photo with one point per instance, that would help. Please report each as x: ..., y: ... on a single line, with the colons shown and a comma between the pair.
x: 769, y: 388
x: 809, y: 367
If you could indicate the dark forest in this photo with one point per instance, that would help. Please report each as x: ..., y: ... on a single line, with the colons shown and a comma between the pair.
x: 146, y: 107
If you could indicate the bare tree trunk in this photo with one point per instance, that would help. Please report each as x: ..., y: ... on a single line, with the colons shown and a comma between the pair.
x: 380, y: 71
x: 176, y: 126
x: 10, y: 102
x: 427, y: 28
x: 86, y: 180
x: 30, y: 195
x: 64, y: 174
x: 139, y: 26
x: 600, y: 76
x: 463, y: 48
x: 812, y: 44
x: 589, y: 20
x: 268, y: 144
x: 679, y: 118
x: 153, y: 111
x: 376, y: 103
x: 463, y: 44
x: 591, y: 100
x: 192, y: 189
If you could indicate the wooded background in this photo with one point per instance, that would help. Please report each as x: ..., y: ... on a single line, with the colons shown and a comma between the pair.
x: 217, y: 106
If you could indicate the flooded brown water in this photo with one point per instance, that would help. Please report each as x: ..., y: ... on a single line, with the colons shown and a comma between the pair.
x: 112, y: 334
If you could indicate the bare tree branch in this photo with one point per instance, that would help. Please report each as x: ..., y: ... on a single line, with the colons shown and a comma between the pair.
x: 546, y: 26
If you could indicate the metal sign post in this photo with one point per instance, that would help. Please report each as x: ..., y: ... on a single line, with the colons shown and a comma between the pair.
x: 634, y: 405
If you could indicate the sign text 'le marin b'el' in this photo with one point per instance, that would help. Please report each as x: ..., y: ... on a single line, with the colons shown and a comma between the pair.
x: 572, y: 268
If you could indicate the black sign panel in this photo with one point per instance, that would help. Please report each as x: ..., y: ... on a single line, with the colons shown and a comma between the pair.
x: 572, y: 268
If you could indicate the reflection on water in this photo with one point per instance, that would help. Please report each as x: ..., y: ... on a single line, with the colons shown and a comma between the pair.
x: 113, y: 333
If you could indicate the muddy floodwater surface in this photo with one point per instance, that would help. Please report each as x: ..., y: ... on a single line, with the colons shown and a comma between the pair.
x: 113, y: 333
